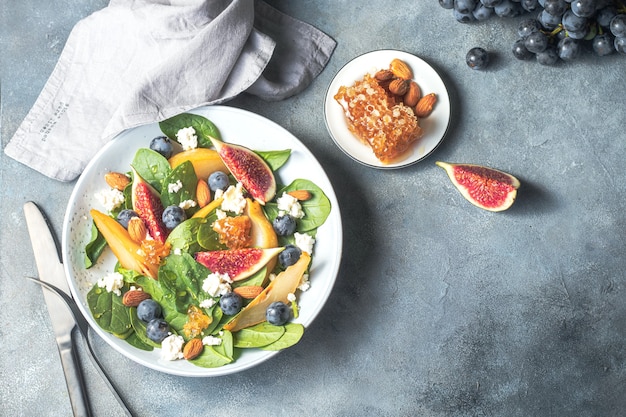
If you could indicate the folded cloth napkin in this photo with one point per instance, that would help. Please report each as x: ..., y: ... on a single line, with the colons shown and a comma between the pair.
x: 142, y: 61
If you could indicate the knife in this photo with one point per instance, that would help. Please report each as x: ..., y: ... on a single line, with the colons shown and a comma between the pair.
x: 51, y: 270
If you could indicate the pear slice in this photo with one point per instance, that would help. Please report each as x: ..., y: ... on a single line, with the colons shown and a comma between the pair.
x: 284, y: 284
x: 205, y: 161
x: 126, y: 250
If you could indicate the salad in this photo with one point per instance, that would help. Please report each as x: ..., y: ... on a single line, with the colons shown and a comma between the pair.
x: 213, y: 250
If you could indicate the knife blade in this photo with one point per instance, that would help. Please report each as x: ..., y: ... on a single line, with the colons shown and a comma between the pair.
x: 51, y: 270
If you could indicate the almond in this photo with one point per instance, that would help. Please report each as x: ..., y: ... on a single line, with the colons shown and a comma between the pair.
x: 384, y: 75
x: 399, y: 87
x: 302, y: 195
x: 412, y: 95
x: 117, y: 180
x: 192, y: 349
x: 137, y: 229
x: 132, y: 298
x: 425, y: 105
x: 203, y: 193
x: 400, y: 69
x: 248, y: 291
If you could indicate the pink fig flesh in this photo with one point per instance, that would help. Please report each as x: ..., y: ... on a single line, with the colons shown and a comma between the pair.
x: 249, y: 169
x: 485, y: 187
x: 237, y: 263
x: 147, y: 204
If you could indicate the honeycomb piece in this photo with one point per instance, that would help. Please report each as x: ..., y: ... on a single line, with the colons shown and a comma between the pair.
x: 378, y: 118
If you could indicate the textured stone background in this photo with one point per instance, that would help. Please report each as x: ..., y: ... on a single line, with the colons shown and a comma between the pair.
x: 440, y: 309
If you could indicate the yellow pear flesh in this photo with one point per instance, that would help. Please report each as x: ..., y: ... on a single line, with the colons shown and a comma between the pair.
x: 205, y: 161
x: 284, y: 284
x: 126, y: 250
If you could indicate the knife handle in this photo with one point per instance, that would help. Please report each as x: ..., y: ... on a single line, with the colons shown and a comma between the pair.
x: 74, y: 380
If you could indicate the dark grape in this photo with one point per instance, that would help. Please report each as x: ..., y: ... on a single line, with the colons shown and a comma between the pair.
x: 536, y: 42
x: 528, y: 26
x: 482, y: 13
x: 465, y: 6
x: 447, y: 4
x: 568, y: 49
x: 520, y: 52
x: 555, y: 7
x: 620, y: 44
x: 477, y: 58
x: 584, y: 8
x: 618, y: 26
x: 549, y: 56
x: 573, y: 23
x: 603, y: 44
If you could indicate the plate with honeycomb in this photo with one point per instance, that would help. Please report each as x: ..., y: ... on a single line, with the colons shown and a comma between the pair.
x: 370, y: 122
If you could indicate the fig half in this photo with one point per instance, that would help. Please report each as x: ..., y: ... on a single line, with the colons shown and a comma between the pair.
x: 147, y: 204
x: 237, y: 263
x: 249, y: 169
x: 484, y: 187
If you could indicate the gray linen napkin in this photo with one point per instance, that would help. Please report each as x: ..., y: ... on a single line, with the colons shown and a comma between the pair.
x: 142, y: 61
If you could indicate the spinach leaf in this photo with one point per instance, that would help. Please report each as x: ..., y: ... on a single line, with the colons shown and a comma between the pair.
x: 204, y: 128
x: 182, y: 276
x: 208, y: 238
x: 109, y: 312
x: 275, y: 159
x: 261, y: 334
x: 135, y: 341
x: 293, y: 334
x: 184, y: 237
x: 184, y: 180
x: 140, y: 330
x: 151, y: 166
x: 95, y: 247
x: 316, y: 210
x: 226, y: 348
x: 211, y: 358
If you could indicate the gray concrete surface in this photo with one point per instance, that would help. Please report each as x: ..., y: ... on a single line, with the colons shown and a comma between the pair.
x: 440, y: 309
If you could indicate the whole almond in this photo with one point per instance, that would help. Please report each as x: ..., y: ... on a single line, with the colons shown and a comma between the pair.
x: 302, y: 195
x: 412, y: 95
x: 400, y: 69
x: 133, y: 298
x: 248, y: 291
x: 137, y: 229
x: 117, y: 180
x: 384, y: 75
x: 425, y: 106
x: 192, y: 349
x: 203, y: 193
x: 399, y: 87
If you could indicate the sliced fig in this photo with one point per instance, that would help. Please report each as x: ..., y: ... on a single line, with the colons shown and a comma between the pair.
x: 147, y: 204
x: 278, y: 290
x: 126, y: 250
x: 485, y: 187
x: 249, y: 169
x: 237, y: 263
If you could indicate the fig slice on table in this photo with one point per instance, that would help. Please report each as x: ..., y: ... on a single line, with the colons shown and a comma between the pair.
x: 278, y: 290
x: 147, y: 204
x: 237, y: 263
x: 485, y: 187
x: 126, y: 250
x: 249, y: 169
x: 205, y: 161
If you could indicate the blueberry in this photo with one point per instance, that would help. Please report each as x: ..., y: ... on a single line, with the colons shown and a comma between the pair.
x: 148, y: 310
x: 173, y: 216
x: 278, y: 313
x: 218, y: 180
x: 284, y: 225
x: 162, y: 145
x: 289, y: 255
x: 477, y: 58
x: 157, y: 330
x: 124, y: 216
x: 231, y: 303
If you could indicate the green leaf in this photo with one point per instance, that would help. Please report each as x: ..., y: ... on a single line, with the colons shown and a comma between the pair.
x: 205, y: 129
x: 135, y: 341
x: 184, y: 237
x: 211, y: 358
x: 95, y: 247
x: 275, y: 159
x: 183, y: 178
x: 293, y: 334
x: 140, y: 330
x: 151, y: 166
x: 261, y: 334
x: 108, y: 311
x: 316, y: 209
x: 183, y: 276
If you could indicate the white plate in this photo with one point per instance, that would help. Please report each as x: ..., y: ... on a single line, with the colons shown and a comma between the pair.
x: 435, y: 125
x: 236, y: 126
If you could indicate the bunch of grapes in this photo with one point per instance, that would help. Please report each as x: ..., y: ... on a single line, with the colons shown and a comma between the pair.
x: 559, y: 30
